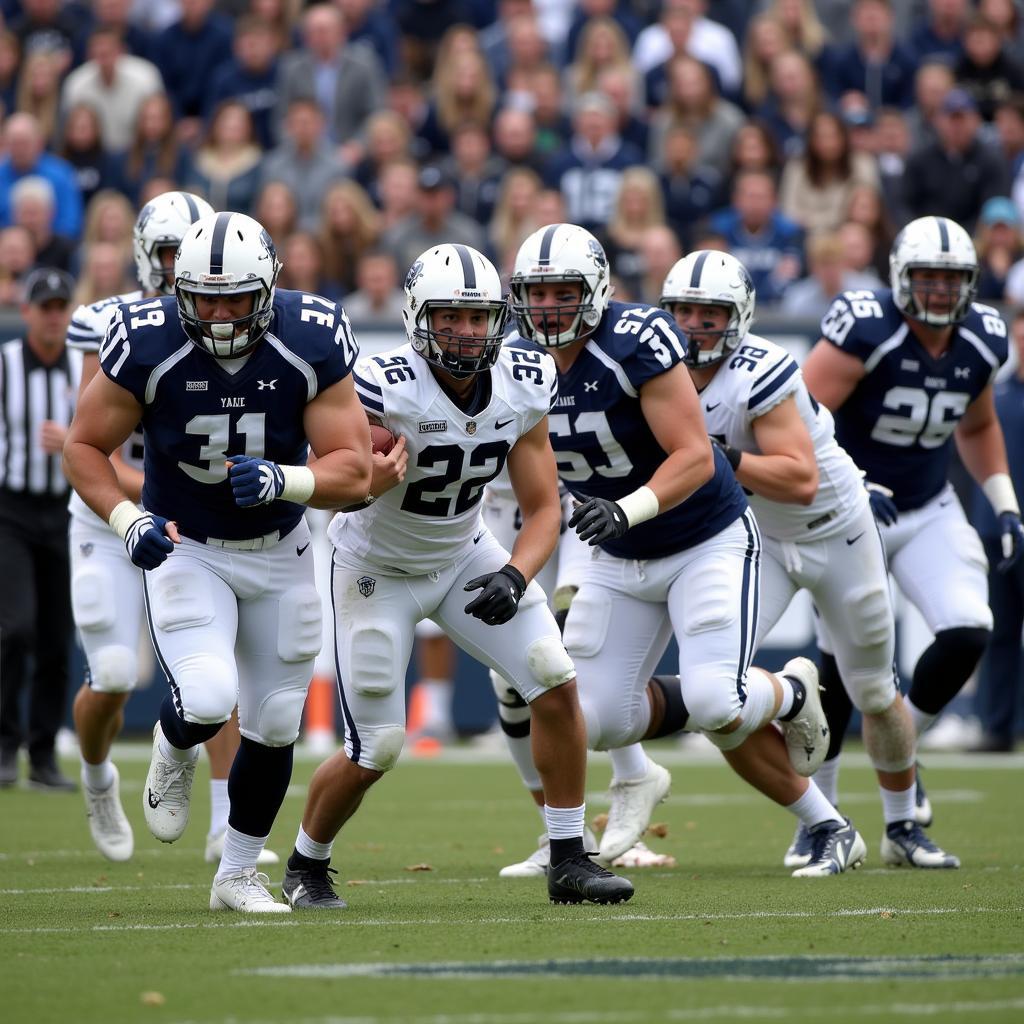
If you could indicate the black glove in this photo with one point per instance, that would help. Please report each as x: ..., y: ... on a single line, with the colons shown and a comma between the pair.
x: 598, y: 520
x: 882, y: 505
x: 732, y: 454
x: 500, y: 595
x: 1012, y: 539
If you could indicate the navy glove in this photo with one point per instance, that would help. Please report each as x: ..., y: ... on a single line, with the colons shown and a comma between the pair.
x: 147, y: 542
x: 499, y: 599
x: 598, y: 520
x: 882, y: 505
x: 254, y: 481
x: 1012, y: 539
x: 732, y: 454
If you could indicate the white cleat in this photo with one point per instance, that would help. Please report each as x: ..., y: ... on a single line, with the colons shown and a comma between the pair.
x: 215, y: 850
x: 167, y: 793
x: 246, y: 892
x: 836, y: 846
x: 640, y: 855
x: 800, y: 850
x: 633, y: 804
x: 807, y: 733
x: 906, y: 843
x: 536, y: 865
x: 111, y: 831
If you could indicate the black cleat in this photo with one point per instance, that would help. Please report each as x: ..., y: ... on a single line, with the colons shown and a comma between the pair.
x: 578, y: 879
x: 311, y: 889
x: 48, y: 776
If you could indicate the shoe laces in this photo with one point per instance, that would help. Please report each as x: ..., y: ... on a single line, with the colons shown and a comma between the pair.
x: 824, y: 838
x: 104, y: 807
x: 583, y: 861
x: 318, y: 882
x: 252, y: 883
x: 173, y: 781
x: 910, y: 833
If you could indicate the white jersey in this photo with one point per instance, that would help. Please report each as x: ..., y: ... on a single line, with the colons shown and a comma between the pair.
x: 754, y: 379
x: 85, y: 333
x: 430, y: 520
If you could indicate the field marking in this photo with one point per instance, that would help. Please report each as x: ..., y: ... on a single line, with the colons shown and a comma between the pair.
x: 362, y: 883
x: 346, y: 921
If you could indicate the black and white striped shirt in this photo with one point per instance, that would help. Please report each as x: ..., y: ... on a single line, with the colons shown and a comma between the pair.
x: 30, y: 394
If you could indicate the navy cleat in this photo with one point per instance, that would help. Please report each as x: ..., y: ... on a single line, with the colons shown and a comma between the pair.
x: 905, y: 843
x: 836, y: 846
x: 922, y: 805
x: 311, y: 889
x: 578, y: 879
x: 800, y: 850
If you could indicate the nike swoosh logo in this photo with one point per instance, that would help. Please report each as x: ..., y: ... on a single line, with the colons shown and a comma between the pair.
x: 943, y: 504
x: 152, y: 803
x: 498, y: 424
x: 853, y: 540
x: 299, y: 550
x: 712, y: 408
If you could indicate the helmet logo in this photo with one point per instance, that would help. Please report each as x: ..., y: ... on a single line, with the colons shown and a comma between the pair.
x: 596, y: 253
x: 268, y: 244
x: 415, y: 273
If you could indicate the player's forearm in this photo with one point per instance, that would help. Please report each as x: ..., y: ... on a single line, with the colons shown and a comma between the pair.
x: 537, y: 539
x: 91, y: 473
x: 779, y: 477
x: 684, y: 471
x: 340, y: 478
x: 983, y: 451
x: 129, y: 479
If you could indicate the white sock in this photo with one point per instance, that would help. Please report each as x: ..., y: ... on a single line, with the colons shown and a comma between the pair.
x: 921, y: 719
x: 812, y: 808
x: 439, y: 703
x: 757, y: 708
x: 174, y: 754
x: 787, y: 696
x: 827, y: 778
x: 98, y: 777
x: 898, y: 805
x: 240, y: 852
x: 629, y: 764
x: 311, y: 848
x: 565, y: 822
x: 219, y: 806
x: 522, y: 756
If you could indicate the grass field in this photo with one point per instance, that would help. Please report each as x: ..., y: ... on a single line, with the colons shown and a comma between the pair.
x: 727, y: 935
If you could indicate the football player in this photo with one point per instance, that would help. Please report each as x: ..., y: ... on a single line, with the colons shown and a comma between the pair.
x: 819, y: 532
x: 225, y: 366
x: 905, y: 371
x: 675, y: 545
x: 463, y: 406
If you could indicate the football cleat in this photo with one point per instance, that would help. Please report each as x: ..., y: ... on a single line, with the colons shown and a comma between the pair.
x: 111, y: 831
x: 247, y: 892
x: 578, y: 879
x: 922, y: 805
x: 167, y: 793
x: 807, y: 732
x: 632, y: 805
x: 311, y: 889
x: 536, y: 865
x: 800, y: 850
x: 836, y: 846
x: 905, y: 843
x: 215, y: 850
x: 640, y: 855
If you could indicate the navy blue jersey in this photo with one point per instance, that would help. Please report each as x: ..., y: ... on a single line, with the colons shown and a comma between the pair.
x: 196, y: 413
x: 898, y: 422
x: 603, y: 445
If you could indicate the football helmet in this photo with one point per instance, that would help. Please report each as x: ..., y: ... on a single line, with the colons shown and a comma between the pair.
x: 560, y: 252
x: 161, y: 224
x: 447, y: 276
x: 226, y: 254
x: 710, y: 278
x: 936, y: 243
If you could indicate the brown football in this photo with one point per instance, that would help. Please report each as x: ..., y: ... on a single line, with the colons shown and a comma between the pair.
x: 381, y: 439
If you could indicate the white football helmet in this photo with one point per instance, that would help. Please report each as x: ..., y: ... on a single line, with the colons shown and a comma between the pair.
x: 560, y: 252
x: 161, y: 224
x: 448, y: 276
x: 710, y: 278
x: 226, y: 254
x: 937, y: 243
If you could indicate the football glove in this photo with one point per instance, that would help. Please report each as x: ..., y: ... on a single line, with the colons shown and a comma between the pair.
x: 500, y: 594
x: 1011, y: 537
x: 254, y: 481
x: 882, y: 505
x: 732, y: 454
x: 147, y: 542
x: 598, y: 520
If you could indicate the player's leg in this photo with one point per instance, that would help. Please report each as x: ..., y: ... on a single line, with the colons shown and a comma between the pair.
x: 432, y: 695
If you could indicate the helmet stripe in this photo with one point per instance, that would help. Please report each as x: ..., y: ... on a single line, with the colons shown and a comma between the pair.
x: 545, y: 245
x: 468, y: 270
x: 220, y: 230
x: 943, y: 235
x: 193, y: 210
x: 698, y: 269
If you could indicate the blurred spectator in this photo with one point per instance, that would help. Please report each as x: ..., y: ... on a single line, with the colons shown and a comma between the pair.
x: 406, y: 99
x: 587, y: 11
x: 282, y: 15
x: 551, y: 125
x: 620, y: 86
x: 494, y: 38
x: 639, y: 206
x: 514, y: 215
x: 434, y: 220
x: 155, y: 149
x: 33, y: 207
x: 859, y: 119
x: 345, y: 80
x: 986, y: 70
x: 892, y: 149
x: 387, y: 139
x: 23, y: 145
x: 462, y: 92
x: 527, y: 50
x: 250, y: 76
x: 515, y: 139
x: 801, y: 23
x: 188, y: 52
x: 859, y: 254
x: 602, y: 45
x: 690, y: 191
x: 277, y: 210
x: 305, y: 161
x: 398, y: 186
x: 694, y: 104
x: 817, y: 186
x: 227, y: 166
x: 103, y: 272
x: 953, y: 176
x: 932, y: 82
x: 549, y: 208
x: 754, y: 149
x: 39, y: 89
x: 115, y: 84
x: 867, y: 209
x: 589, y: 169
x: 50, y: 25
x: 1009, y: 122
x: 827, y: 276
x: 659, y: 253
x: 371, y: 23
x: 17, y: 258
x: 10, y: 64
x: 876, y: 63
x: 422, y: 24
x: 1000, y: 245
x: 117, y: 15
x: 304, y: 267
x: 767, y: 243
x: 110, y: 219
x: 794, y: 97
x: 153, y: 187
x: 378, y: 299
x: 476, y: 171
x: 766, y: 39
x: 1006, y: 16
x: 348, y: 227
x: 940, y: 33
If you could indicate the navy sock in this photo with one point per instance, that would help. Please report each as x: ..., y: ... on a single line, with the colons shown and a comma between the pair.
x: 182, y: 734
x: 257, y: 785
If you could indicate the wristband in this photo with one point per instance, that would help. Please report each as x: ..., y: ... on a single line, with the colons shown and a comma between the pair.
x: 998, y: 489
x: 639, y: 506
x: 122, y: 516
x: 515, y: 575
x: 299, y: 484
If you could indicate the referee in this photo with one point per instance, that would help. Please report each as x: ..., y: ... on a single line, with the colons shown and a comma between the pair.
x: 38, y: 383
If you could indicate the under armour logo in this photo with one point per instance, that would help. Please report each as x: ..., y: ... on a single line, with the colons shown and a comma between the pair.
x: 962, y: 371
x: 590, y: 385
x: 267, y: 384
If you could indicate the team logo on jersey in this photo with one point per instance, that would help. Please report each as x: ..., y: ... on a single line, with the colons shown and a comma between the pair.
x: 197, y: 385
x: 433, y: 426
x: 86, y: 548
x: 471, y: 427
x: 366, y: 585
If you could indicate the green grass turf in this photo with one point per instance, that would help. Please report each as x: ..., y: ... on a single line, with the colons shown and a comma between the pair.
x: 83, y: 940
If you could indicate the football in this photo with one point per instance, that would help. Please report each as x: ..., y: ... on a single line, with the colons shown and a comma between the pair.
x: 381, y: 439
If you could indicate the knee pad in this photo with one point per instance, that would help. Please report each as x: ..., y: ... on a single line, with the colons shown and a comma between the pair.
x: 549, y: 662
x: 279, y: 717
x: 715, y: 706
x: 113, y: 669
x: 870, y: 616
x: 299, y: 624
x: 713, y: 703
x: 92, y: 598
x: 675, y: 715
x: 380, y: 746
x: 586, y: 626
x: 710, y: 600
x: 374, y: 660
x: 726, y: 741
x: 207, y: 688
x: 872, y: 693
x: 180, y: 598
